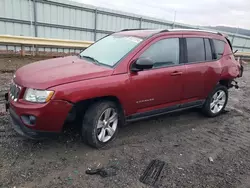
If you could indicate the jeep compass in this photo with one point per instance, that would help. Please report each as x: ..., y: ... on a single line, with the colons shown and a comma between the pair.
x: 123, y: 77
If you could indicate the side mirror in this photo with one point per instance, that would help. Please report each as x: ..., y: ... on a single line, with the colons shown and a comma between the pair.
x: 142, y: 64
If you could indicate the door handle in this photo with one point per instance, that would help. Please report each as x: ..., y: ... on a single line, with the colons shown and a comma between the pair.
x: 176, y: 73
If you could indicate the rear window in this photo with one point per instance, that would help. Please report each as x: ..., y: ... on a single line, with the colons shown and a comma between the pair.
x: 195, y: 50
x: 219, y: 48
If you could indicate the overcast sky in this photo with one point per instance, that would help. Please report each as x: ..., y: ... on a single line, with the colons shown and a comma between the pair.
x: 234, y: 13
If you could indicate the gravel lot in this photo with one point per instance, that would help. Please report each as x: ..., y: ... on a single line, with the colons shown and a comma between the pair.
x: 185, y: 141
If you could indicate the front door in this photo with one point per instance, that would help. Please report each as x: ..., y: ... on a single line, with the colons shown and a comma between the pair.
x: 162, y: 85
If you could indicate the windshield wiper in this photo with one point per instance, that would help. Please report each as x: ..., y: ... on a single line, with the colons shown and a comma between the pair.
x: 91, y: 58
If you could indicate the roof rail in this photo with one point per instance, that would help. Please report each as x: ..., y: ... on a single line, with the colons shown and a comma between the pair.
x: 135, y: 29
x: 195, y: 30
x: 164, y: 30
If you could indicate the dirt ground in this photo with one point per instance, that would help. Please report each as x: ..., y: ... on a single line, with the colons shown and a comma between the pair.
x: 185, y: 141
x: 10, y: 64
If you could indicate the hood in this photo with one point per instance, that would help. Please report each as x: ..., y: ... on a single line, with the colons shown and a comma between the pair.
x: 52, y: 72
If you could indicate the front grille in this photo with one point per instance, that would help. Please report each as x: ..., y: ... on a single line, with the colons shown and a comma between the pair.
x: 14, y: 91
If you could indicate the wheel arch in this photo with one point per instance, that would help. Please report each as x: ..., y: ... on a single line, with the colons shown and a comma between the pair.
x: 225, y: 82
x: 79, y: 108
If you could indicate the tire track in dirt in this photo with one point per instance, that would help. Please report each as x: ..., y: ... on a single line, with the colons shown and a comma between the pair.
x: 185, y: 140
x: 229, y: 136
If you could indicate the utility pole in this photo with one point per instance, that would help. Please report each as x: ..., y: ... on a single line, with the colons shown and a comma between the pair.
x: 174, y: 19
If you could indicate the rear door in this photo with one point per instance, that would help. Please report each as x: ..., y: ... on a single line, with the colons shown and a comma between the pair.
x: 201, y: 70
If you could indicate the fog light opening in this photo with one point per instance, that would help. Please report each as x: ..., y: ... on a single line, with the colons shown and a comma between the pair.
x: 29, y: 119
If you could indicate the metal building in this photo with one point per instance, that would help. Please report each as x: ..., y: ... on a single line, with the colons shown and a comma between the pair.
x: 65, y: 19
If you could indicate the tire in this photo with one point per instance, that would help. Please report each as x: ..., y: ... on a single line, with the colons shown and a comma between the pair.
x: 97, y: 129
x: 214, y: 104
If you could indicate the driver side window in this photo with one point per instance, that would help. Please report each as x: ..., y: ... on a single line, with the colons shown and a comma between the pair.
x: 163, y: 53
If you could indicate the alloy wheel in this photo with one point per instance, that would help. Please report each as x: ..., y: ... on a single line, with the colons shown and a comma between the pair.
x: 218, y: 101
x: 107, y: 125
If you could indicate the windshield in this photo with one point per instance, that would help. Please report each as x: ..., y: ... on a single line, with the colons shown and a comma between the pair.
x: 111, y: 49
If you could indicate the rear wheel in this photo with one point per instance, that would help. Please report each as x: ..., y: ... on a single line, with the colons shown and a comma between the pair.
x: 216, y: 101
x: 100, y: 124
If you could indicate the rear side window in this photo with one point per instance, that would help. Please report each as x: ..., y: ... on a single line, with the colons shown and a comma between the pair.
x: 219, y: 48
x: 208, y: 50
x: 164, y: 52
x: 195, y: 50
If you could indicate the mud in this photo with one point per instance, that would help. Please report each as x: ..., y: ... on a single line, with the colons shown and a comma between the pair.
x: 185, y: 141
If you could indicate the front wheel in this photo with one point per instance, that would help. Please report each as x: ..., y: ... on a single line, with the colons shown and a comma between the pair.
x: 216, y: 101
x: 100, y: 124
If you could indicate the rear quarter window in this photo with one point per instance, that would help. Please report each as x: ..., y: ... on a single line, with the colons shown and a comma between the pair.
x: 219, y: 47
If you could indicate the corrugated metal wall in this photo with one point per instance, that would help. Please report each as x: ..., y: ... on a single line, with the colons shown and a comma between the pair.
x: 16, y: 10
x: 64, y: 19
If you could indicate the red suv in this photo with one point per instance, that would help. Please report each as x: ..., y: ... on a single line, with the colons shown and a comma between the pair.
x: 126, y: 76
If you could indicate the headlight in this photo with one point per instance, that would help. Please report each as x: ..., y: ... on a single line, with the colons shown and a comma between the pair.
x: 39, y: 96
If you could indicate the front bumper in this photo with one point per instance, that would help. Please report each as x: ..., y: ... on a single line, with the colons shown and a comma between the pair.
x: 21, y: 129
x: 50, y: 117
